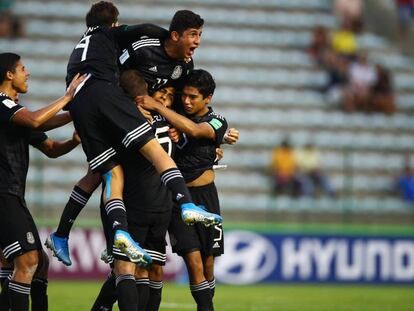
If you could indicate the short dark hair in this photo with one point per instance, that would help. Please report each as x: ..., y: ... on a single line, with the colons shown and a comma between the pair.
x: 8, y: 62
x: 133, y: 83
x: 185, y: 19
x: 203, y: 81
x: 102, y: 13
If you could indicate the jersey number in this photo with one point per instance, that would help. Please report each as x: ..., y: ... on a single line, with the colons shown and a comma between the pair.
x: 161, y: 134
x: 160, y: 82
x: 83, y: 44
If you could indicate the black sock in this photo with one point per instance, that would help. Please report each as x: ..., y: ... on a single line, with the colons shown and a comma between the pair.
x: 115, y: 209
x: 78, y: 199
x: 107, y: 295
x: 155, y: 291
x: 143, y: 293
x: 202, y: 295
x: 174, y: 181
x: 19, y: 296
x: 212, y: 285
x: 38, y: 293
x: 4, y: 295
x: 126, y: 292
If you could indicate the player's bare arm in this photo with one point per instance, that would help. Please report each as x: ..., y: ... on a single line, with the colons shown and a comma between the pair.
x: 56, y: 121
x: 34, y: 119
x: 55, y: 149
x: 181, y: 123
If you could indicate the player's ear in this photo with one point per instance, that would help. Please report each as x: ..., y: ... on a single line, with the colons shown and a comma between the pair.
x: 9, y: 75
x: 175, y: 35
x: 208, y: 98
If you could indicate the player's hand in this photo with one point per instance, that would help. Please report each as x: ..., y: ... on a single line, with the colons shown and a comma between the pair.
x: 219, y: 154
x: 147, y: 102
x: 174, y: 135
x: 146, y: 113
x: 232, y: 136
x: 78, y: 79
x: 76, y: 137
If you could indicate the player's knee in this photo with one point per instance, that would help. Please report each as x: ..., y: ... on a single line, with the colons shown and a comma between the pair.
x: 27, y: 263
x: 156, y: 272
x: 43, y: 266
x: 194, y: 265
x: 141, y: 273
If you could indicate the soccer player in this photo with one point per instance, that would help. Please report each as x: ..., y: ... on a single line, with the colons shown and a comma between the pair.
x: 148, y: 203
x: 168, y: 60
x: 105, y: 117
x: 203, y: 132
x: 19, y: 128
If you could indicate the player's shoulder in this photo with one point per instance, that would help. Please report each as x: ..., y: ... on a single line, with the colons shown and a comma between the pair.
x: 214, y: 115
x: 5, y: 100
x: 146, y: 42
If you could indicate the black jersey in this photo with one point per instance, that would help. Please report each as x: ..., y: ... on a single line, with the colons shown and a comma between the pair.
x: 14, y: 148
x: 194, y: 156
x: 98, y: 49
x: 143, y: 188
x: 148, y: 56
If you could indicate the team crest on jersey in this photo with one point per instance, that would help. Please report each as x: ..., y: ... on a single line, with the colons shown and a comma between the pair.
x: 30, y: 238
x: 178, y: 70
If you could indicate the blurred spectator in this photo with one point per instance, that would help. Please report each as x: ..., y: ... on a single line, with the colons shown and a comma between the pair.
x: 312, y: 180
x: 320, y: 45
x: 344, y: 41
x: 10, y: 25
x: 283, y: 168
x: 337, y: 67
x: 350, y: 12
x: 405, y: 14
x: 362, y: 77
x: 405, y: 184
x: 382, y: 92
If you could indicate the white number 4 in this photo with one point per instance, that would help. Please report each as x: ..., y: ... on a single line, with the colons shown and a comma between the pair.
x: 83, y: 44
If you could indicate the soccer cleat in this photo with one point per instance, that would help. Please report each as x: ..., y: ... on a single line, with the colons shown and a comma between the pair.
x: 191, y: 214
x: 106, y: 258
x: 129, y: 247
x: 60, y: 248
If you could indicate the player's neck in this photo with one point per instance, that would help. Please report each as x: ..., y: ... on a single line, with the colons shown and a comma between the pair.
x: 7, y: 89
x: 170, y: 49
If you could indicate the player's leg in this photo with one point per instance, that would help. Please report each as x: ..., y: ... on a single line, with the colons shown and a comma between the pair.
x: 174, y: 181
x: 6, y: 270
x: 199, y: 286
x: 155, y: 245
x: 211, y: 238
x: 126, y: 290
x: 38, y: 290
x: 156, y: 275
x: 142, y: 285
x: 107, y: 295
x: 58, y: 241
x: 20, y: 242
x: 208, y: 264
x: 185, y: 242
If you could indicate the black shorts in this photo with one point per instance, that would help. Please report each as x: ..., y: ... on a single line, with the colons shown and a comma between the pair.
x: 147, y: 228
x: 185, y: 239
x: 105, y: 118
x: 18, y: 232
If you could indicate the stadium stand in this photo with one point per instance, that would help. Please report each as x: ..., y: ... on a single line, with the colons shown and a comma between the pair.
x: 267, y: 87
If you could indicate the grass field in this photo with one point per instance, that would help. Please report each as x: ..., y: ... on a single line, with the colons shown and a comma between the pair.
x: 75, y: 296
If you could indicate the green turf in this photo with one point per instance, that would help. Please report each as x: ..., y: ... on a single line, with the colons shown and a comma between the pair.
x: 74, y: 296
